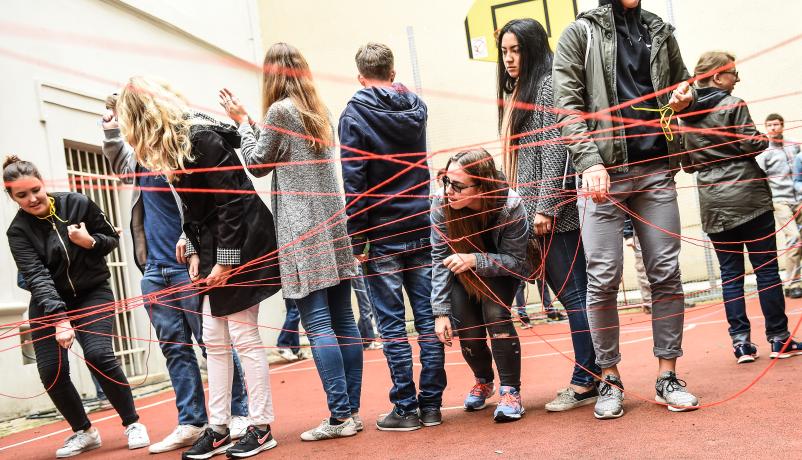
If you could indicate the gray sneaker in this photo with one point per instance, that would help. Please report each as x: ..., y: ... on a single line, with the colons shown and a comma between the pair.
x: 328, y: 431
x: 610, y: 403
x: 671, y: 391
x: 568, y: 399
x: 358, y: 422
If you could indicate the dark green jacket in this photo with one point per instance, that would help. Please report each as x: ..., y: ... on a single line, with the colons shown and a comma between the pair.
x: 584, y: 81
x: 732, y: 187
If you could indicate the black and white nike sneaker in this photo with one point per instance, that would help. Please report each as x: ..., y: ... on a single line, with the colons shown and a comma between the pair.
x: 254, y: 441
x: 208, y: 445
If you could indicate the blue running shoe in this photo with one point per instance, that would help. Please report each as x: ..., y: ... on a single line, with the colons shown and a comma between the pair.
x: 509, y: 407
x: 477, y: 397
x: 794, y: 349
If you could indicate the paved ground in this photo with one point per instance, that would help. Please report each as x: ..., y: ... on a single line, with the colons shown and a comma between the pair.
x: 760, y: 423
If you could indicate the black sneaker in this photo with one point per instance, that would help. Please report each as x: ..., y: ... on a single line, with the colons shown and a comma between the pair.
x: 208, y: 445
x: 793, y: 293
x: 555, y: 315
x: 745, y: 353
x: 794, y: 348
x: 431, y: 417
x: 254, y: 441
x: 395, y: 422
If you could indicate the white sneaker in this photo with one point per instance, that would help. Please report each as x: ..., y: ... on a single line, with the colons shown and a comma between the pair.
x: 80, y: 441
x: 182, y: 436
x: 287, y: 355
x: 375, y: 345
x: 137, y: 436
x: 328, y: 431
x: 238, y: 426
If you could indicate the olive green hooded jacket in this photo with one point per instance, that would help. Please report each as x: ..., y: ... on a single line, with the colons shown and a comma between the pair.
x: 584, y: 83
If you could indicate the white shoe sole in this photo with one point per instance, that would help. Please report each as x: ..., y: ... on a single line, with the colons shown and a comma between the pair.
x: 501, y: 418
x: 262, y: 448
x: 219, y: 450
x: 608, y: 415
x: 156, y: 449
x: 778, y: 355
x: 73, y: 454
x: 342, y: 435
x: 676, y: 408
x: 138, y: 446
x: 414, y: 428
x: 745, y: 359
x: 474, y: 409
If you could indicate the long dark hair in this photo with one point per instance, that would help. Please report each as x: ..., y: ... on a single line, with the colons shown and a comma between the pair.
x: 465, y: 226
x: 536, y: 59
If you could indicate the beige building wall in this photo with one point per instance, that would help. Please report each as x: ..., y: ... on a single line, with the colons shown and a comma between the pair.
x: 60, y: 60
x: 460, y: 92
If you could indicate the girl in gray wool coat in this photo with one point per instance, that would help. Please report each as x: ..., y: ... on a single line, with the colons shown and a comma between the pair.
x: 536, y: 163
x: 295, y: 143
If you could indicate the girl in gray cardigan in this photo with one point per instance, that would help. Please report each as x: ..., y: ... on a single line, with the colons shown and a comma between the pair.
x: 314, y: 256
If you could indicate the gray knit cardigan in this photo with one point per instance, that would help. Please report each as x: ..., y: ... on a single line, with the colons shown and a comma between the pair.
x: 312, y: 255
x: 543, y: 163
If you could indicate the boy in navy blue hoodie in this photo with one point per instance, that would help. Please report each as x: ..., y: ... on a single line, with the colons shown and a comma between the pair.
x: 392, y: 237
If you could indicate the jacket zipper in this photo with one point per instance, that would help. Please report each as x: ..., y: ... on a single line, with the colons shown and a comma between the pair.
x: 61, y: 240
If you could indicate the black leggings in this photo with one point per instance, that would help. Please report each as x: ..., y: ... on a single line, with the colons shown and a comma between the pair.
x: 97, y: 351
x: 469, y: 315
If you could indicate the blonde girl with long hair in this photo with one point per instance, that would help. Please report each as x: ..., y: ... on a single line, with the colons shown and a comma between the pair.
x: 230, y: 238
x: 295, y: 143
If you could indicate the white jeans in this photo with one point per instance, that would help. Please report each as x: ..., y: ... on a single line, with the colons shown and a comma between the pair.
x: 239, y: 330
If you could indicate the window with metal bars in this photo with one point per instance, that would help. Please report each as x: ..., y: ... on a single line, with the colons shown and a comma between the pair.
x: 90, y: 173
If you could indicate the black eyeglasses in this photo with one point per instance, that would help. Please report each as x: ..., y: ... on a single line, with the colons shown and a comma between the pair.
x: 456, y: 186
x: 733, y: 72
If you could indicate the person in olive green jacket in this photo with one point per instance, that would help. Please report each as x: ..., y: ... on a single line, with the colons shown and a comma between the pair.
x: 736, y: 203
x: 610, y: 63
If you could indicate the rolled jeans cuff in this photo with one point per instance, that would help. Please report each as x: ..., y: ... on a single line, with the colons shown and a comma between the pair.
x: 609, y: 362
x: 665, y: 353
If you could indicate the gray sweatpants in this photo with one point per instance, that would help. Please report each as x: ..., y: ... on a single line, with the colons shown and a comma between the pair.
x: 654, y: 199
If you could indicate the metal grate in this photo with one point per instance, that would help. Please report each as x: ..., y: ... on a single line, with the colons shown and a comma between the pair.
x: 89, y: 173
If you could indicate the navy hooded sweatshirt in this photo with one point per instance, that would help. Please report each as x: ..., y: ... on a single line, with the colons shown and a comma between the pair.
x: 385, y: 121
x: 633, y: 80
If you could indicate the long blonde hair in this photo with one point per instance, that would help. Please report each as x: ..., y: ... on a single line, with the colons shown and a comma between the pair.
x: 153, y: 118
x: 286, y: 75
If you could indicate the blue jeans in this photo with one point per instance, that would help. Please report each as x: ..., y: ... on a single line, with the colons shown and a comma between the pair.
x: 520, y: 303
x: 289, y: 337
x: 763, y: 256
x: 570, y: 284
x: 176, y: 318
x: 366, y: 313
x: 545, y: 296
x: 407, y: 266
x: 336, y: 347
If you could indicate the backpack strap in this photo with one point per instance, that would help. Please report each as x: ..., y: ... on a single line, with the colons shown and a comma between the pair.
x: 586, y: 23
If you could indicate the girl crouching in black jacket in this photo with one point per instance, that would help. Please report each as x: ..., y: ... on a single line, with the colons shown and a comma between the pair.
x: 58, y: 241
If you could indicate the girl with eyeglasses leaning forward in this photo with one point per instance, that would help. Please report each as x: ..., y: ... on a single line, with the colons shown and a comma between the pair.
x: 479, y: 241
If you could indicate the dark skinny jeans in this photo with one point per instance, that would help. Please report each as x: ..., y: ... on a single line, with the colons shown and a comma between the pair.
x: 477, y: 318
x: 53, y: 364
